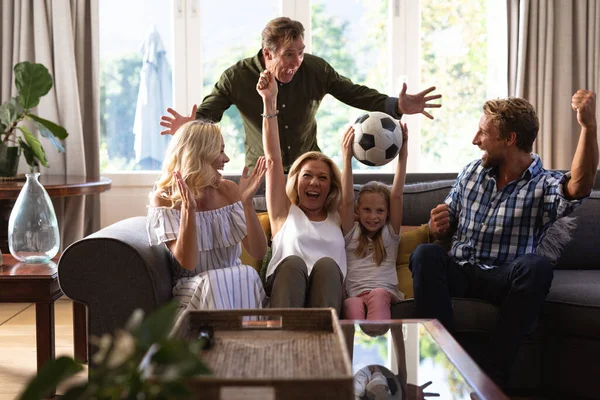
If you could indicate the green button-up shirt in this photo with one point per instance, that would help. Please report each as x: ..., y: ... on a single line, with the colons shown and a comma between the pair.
x: 297, y: 102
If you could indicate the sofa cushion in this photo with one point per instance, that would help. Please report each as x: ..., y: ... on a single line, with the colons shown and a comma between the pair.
x: 581, y: 252
x: 470, y: 315
x: 411, y: 238
x: 246, y: 258
x: 573, y: 304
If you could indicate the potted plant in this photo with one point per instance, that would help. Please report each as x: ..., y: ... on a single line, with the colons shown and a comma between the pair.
x: 124, y: 358
x: 18, y: 123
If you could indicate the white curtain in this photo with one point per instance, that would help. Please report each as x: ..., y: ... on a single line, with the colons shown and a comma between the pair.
x: 62, y: 35
x: 554, y: 49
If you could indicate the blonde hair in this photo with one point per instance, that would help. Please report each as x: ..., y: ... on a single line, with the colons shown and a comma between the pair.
x: 191, y: 151
x: 514, y: 114
x: 379, y: 252
x: 334, y: 197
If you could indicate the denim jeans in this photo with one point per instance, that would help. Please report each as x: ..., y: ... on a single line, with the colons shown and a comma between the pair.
x: 517, y: 288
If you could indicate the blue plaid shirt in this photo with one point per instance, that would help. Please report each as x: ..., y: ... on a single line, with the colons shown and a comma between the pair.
x: 495, y: 227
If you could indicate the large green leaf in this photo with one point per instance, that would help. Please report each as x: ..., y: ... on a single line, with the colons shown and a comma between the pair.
x: 32, y: 148
x: 156, y: 327
x: 49, y: 376
x: 10, y: 112
x: 33, y: 81
x: 49, y: 130
x: 50, y: 127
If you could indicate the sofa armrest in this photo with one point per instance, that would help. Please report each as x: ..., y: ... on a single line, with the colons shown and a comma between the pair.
x: 115, y: 271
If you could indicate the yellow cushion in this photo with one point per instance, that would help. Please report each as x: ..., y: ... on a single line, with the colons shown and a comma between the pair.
x: 411, y: 238
x: 246, y: 258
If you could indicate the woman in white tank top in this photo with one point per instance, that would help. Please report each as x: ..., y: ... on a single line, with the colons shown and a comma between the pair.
x: 308, y: 262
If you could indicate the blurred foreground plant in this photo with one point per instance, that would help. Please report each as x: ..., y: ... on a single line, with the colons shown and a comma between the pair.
x: 118, y: 373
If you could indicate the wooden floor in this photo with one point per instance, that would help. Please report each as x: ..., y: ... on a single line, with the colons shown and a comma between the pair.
x: 17, y: 344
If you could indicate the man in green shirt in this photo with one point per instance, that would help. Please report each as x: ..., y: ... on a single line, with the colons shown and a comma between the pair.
x: 303, y: 80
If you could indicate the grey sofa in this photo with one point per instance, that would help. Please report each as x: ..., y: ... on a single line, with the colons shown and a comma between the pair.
x: 115, y: 270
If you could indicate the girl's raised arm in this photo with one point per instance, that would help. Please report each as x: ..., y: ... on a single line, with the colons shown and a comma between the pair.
x: 396, y: 197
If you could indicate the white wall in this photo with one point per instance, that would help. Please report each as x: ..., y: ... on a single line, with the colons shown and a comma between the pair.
x: 128, y: 196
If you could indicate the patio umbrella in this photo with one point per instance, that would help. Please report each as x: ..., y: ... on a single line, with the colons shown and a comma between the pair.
x: 154, y: 97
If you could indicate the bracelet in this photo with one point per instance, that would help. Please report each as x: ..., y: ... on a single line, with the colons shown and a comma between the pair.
x: 270, y: 116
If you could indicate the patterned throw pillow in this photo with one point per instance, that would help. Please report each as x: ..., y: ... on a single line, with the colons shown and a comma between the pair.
x: 557, y: 237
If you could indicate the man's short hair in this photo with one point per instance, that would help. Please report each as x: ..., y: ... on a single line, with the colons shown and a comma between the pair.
x: 280, y: 32
x: 517, y: 115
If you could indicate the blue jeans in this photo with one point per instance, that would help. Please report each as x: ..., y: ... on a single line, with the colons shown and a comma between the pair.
x: 517, y: 288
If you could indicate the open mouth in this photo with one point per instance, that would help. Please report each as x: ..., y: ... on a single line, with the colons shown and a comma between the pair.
x: 312, y: 195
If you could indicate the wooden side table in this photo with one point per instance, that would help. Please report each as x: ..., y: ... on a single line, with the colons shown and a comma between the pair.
x: 55, y: 185
x: 38, y: 283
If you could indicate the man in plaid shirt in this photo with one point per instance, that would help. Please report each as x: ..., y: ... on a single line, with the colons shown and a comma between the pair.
x: 497, y: 213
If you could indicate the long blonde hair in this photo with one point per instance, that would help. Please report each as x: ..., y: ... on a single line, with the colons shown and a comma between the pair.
x: 379, y: 252
x: 334, y: 197
x: 191, y: 151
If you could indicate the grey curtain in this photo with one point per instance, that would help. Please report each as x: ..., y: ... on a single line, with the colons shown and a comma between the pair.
x: 62, y: 35
x: 554, y: 49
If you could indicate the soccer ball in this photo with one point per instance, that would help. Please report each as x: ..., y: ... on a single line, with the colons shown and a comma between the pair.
x: 377, y: 138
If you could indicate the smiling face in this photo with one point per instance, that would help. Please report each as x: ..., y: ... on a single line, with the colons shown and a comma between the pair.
x: 372, y: 210
x: 219, y: 163
x: 314, y: 183
x: 488, y: 139
x: 285, y: 61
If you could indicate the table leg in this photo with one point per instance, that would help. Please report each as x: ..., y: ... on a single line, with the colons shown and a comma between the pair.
x: 45, y: 340
x: 80, y: 331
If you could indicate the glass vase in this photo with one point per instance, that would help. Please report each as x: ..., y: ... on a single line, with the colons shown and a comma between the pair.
x: 33, y: 235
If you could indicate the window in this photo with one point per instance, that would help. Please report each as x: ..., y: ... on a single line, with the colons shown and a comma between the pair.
x: 135, y: 47
x: 455, y: 45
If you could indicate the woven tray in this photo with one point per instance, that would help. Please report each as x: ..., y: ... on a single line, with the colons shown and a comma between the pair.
x: 285, y: 354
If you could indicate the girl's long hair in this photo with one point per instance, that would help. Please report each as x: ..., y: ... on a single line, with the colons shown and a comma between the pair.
x: 379, y: 253
x: 191, y: 151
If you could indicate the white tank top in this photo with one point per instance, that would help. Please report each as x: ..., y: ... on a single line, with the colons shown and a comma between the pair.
x: 308, y: 240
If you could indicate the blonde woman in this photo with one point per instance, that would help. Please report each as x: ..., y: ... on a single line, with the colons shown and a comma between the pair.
x: 203, y: 219
x: 308, y: 261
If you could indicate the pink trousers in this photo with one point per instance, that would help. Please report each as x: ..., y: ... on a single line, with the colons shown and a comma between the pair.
x: 373, y: 304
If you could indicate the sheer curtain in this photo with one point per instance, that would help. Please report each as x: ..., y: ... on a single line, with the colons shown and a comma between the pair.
x: 554, y: 49
x: 62, y: 35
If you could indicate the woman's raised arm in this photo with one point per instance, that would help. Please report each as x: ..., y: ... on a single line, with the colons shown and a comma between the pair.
x: 278, y: 203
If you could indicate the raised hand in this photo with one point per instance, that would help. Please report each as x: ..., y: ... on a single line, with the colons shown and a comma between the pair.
x: 267, y: 85
x: 439, y: 220
x: 249, y: 184
x: 584, y: 102
x: 347, y: 143
x: 188, y: 202
x: 176, y: 121
x: 417, y: 103
x: 403, y: 153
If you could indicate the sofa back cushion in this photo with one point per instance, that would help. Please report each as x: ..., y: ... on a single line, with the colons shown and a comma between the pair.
x: 246, y: 258
x: 583, y: 251
x: 412, y: 236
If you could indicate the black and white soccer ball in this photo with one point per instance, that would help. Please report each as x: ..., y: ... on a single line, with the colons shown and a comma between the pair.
x: 377, y: 138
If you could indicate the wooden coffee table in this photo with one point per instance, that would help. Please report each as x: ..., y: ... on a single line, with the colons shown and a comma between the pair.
x: 38, y: 283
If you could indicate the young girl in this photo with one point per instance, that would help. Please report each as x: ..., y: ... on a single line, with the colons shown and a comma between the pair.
x: 372, y: 238
x: 203, y: 219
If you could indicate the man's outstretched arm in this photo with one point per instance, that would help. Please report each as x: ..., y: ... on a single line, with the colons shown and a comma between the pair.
x: 585, y: 161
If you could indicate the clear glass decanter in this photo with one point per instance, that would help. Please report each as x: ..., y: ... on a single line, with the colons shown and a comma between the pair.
x: 33, y: 235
